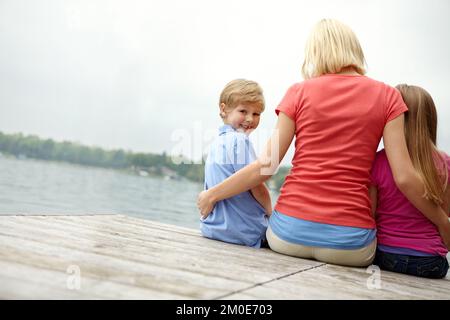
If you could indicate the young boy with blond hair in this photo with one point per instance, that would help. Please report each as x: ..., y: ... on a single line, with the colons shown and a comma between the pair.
x: 241, y: 219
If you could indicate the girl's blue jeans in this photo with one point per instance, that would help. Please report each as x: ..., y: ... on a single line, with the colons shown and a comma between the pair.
x: 435, y: 267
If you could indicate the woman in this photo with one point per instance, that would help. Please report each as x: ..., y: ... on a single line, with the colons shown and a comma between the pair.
x: 338, y: 117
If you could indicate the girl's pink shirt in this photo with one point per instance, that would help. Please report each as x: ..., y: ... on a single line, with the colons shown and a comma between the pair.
x: 399, y: 223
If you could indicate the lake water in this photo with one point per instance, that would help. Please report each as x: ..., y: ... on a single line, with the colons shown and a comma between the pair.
x: 44, y: 187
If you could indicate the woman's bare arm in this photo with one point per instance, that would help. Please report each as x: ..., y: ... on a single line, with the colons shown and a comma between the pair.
x: 256, y: 172
x: 262, y: 195
x: 408, y: 180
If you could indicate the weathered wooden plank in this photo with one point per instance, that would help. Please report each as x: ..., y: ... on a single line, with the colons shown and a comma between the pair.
x: 122, y: 257
x: 166, y: 240
x: 146, y: 237
x: 36, y: 242
x: 336, y: 282
x: 166, y: 260
x: 190, y: 284
x: 20, y: 281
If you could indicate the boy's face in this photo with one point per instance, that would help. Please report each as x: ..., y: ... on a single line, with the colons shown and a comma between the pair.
x: 244, y: 117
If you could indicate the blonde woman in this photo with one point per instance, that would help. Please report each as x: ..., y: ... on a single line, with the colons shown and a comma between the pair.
x: 337, y: 116
x: 407, y: 241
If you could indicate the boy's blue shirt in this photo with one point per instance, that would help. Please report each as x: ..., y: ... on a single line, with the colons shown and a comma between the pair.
x: 239, y: 219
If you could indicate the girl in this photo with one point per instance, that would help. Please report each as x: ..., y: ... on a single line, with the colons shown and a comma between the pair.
x: 407, y: 241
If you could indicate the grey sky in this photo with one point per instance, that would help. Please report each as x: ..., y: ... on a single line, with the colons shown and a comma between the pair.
x: 128, y: 74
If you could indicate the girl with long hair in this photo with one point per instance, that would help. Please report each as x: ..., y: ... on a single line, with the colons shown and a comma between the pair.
x: 408, y: 242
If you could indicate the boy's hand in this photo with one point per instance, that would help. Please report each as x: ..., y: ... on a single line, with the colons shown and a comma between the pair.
x: 205, y: 203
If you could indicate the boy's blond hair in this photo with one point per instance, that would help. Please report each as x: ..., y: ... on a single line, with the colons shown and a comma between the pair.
x: 242, y: 91
x: 331, y: 47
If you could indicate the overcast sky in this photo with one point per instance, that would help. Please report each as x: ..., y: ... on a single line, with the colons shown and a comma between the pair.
x: 137, y: 75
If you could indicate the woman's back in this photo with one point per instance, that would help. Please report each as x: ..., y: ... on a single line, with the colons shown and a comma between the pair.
x: 339, y: 123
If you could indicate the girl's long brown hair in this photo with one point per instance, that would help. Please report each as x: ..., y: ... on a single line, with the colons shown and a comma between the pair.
x: 420, y: 133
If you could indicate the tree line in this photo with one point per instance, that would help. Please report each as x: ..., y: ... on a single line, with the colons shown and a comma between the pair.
x: 31, y: 146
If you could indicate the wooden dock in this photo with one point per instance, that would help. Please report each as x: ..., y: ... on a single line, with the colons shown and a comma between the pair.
x: 121, y: 257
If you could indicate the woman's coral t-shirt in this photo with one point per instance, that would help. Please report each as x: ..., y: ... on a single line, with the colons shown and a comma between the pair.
x: 339, y: 121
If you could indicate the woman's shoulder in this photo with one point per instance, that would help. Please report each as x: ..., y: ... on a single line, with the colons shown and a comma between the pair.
x: 378, y: 83
x: 389, y: 91
x: 297, y: 86
x: 392, y: 96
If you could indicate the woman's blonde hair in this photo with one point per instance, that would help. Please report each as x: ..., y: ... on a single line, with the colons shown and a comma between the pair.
x: 242, y: 91
x: 331, y: 47
x: 420, y: 134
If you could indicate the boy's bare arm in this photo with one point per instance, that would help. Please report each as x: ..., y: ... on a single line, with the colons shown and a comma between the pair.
x: 262, y: 195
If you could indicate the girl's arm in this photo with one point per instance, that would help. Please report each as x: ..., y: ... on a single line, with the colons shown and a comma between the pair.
x: 262, y: 195
x: 373, y: 194
x: 256, y: 172
x: 408, y: 180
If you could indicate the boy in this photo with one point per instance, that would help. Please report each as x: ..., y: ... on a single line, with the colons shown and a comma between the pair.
x: 241, y: 219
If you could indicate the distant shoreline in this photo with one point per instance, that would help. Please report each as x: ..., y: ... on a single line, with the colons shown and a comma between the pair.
x: 142, y: 164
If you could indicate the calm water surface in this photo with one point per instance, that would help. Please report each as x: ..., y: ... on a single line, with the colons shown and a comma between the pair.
x: 36, y: 187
